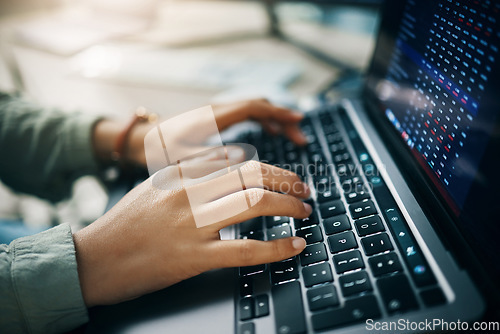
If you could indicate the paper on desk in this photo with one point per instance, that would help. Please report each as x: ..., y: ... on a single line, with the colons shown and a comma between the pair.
x: 185, y: 68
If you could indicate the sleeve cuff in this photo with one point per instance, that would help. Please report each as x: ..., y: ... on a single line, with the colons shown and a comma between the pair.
x: 45, y: 280
x: 78, y: 152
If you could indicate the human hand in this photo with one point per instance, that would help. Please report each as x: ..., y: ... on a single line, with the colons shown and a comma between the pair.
x: 191, y: 133
x: 149, y: 240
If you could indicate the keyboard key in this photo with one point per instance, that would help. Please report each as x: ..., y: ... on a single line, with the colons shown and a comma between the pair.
x: 284, y: 271
x: 384, y: 264
x: 279, y: 232
x: 350, y: 184
x: 254, y: 235
x: 348, y: 261
x: 306, y: 222
x: 276, y: 221
x: 311, y: 234
x: 342, y: 241
x: 246, y: 308
x: 377, y: 243
x: 328, y: 194
x: 331, y: 209
x: 369, y: 225
x: 354, y: 310
x: 347, y: 169
x: 356, y: 195
x: 419, y: 269
x: 362, y: 209
x: 247, y: 328
x: 261, y: 306
x: 246, y: 286
x: 333, y: 137
x: 433, y: 297
x: 397, y: 294
x: 254, y: 224
x: 338, y: 148
x: 339, y: 158
x: 252, y: 270
x: 319, y: 273
x: 288, y: 308
x: 336, y: 224
x: 355, y: 283
x: 322, y: 296
x: 313, y: 254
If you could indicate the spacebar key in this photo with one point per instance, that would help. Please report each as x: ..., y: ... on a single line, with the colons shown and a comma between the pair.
x: 288, y: 308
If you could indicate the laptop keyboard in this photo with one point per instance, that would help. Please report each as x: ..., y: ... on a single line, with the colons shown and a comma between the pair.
x: 361, y: 260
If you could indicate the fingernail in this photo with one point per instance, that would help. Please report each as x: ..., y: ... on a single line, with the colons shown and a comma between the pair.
x: 308, y: 208
x: 299, y: 243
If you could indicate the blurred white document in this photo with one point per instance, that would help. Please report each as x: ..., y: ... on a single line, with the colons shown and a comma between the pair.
x: 87, y: 23
x: 193, y: 68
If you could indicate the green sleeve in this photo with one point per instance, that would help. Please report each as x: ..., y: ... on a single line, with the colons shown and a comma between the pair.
x: 43, y: 150
x: 39, y: 286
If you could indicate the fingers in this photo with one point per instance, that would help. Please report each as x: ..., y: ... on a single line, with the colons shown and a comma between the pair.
x: 242, y: 253
x: 277, y: 120
x: 252, y: 174
x: 251, y: 203
x: 273, y: 118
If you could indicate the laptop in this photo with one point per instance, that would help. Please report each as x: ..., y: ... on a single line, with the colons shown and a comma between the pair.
x: 403, y: 237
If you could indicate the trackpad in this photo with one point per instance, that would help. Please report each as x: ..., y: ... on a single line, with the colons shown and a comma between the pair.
x: 202, y: 304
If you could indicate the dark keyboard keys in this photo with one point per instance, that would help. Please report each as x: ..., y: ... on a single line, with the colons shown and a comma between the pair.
x: 306, y: 222
x: 377, y: 243
x: 342, y: 241
x: 279, y: 232
x: 419, y: 269
x: 356, y: 196
x: 322, y: 297
x: 261, y: 307
x: 354, y: 310
x: 336, y: 224
x: 313, y: 254
x: 328, y: 195
x: 283, y: 271
x: 317, y: 274
x: 247, y: 328
x: 433, y: 297
x: 355, y: 283
x: 348, y: 261
x: 331, y: 209
x: 252, y: 270
x: 254, y: 224
x: 384, y: 264
x: 246, y: 286
x: 311, y: 234
x: 288, y: 308
x: 397, y: 294
x: 276, y: 221
x: 362, y: 209
x: 254, y: 235
x: 369, y: 225
x: 246, y: 308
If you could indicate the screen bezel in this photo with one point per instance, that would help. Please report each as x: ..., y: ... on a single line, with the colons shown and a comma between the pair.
x: 447, y: 219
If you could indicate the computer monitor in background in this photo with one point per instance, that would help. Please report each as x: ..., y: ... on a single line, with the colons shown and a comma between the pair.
x: 338, y: 32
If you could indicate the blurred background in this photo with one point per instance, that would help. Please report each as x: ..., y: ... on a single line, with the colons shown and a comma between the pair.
x: 109, y: 56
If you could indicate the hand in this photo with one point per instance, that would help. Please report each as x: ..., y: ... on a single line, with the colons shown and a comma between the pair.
x: 149, y: 240
x: 273, y: 118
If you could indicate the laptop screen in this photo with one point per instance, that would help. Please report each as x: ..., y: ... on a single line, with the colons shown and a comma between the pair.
x: 435, y: 79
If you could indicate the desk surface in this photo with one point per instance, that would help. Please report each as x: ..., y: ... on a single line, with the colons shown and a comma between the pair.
x: 46, y: 76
